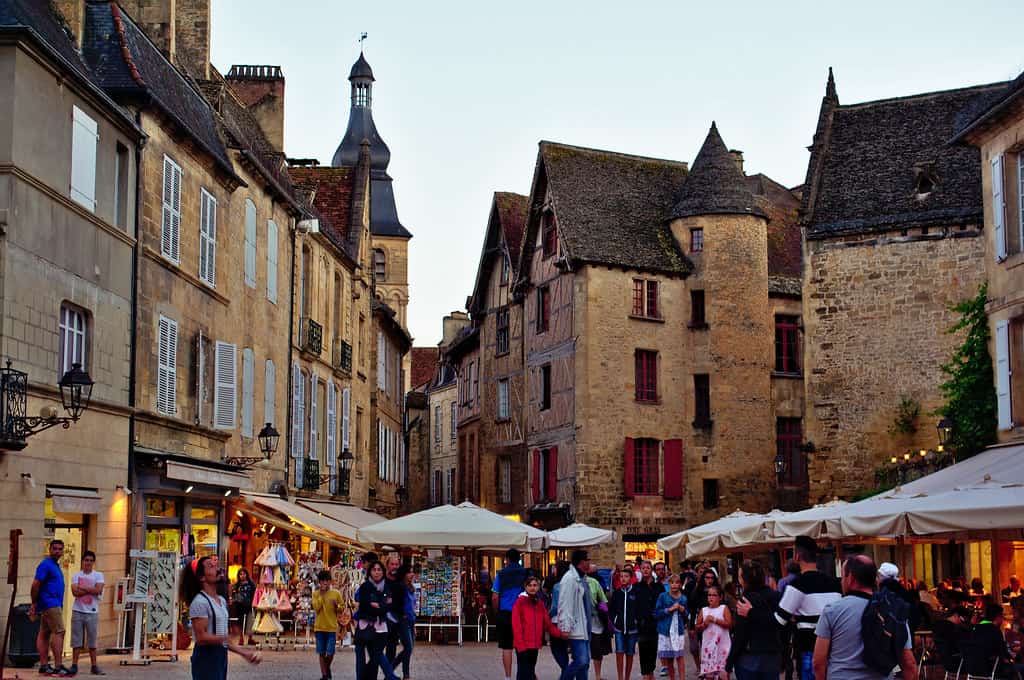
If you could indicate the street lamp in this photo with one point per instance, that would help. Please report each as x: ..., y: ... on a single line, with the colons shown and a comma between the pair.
x: 780, y: 464
x: 268, y: 438
x: 75, y: 392
x: 945, y: 428
x: 345, y: 461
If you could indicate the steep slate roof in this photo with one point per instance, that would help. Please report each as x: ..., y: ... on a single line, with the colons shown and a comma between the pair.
x: 332, y: 200
x: 612, y: 208
x: 507, y: 215
x: 715, y: 185
x: 512, y: 210
x: 125, y: 62
x: 984, y: 109
x: 862, y: 173
x: 783, y: 209
x: 423, y: 366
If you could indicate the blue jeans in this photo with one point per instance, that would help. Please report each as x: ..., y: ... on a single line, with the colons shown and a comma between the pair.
x: 360, y: 661
x: 745, y: 674
x: 579, y: 667
x: 406, y: 636
x: 378, y: 660
x: 560, y: 652
x: 806, y: 666
x: 625, y: 643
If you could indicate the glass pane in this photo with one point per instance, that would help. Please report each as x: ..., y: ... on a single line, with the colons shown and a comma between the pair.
x: 204, y: 513
x: 206, y: 539
x: 167, y: 540
x: 157, y: 506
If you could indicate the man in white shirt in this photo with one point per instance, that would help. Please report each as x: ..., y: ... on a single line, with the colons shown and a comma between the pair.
x: 87, y: 587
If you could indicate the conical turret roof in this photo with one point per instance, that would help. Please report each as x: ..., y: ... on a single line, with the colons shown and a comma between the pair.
x: 361, y: 69
x: 715, y: 184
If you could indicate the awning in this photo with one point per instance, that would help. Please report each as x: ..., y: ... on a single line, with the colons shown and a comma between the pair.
x: 343, y: 512
x: 462, y: 526
x: 67, y: 500
x: 299, y: 519
x: 199, y: 474
x: 578, y: 536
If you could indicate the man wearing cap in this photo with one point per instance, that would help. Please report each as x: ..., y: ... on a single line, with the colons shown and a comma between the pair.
x: 888, y: 579
x: 804, y: 600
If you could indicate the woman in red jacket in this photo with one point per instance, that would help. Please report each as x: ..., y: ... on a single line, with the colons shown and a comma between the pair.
x: 529, y: 621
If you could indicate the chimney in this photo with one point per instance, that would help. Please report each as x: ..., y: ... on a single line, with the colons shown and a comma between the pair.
x: 73, y: 13
x: 261, y: 89
x: 451, y: 325
x: 156, y: 19
x: 192, y: 36
x: 737, y: 158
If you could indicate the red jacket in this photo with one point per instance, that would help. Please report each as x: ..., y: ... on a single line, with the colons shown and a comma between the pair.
x: 529, y: 620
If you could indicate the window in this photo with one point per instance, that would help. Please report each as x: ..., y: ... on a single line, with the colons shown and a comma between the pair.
x: 789, y: 449
x: 84, y: 139
x: 503, y: 399
x: 272, y: 261
x: 436, y: 488
x: 250, y: 243
x: 543, y: 309
x: 362, y: 94
x: 696, y: 240
x: 697, y: 318
x: 339, y: 289
x: 346, y: 419
x: 1004, y: 409
x: 170, y: 221
x: 501, y: 320
x: 331, y: 438
x: 381, y: 362
x: 701, y: 401
x: 248, y: 391
x: 167, y: 366
x: 225, y: 386
x: 298, y: 443
x: 269, y: 392
x: 545, y: 387
x: 645, y: 298
x: 73, y: 337
x: 207, y: 238
x: 504, y: 479
x: 475, y: 373
x: 645, y: 467
x: 646, y: 375
x: 545, y: 475
x: 504, y: 269
x: 305, y: 275
x: 453, y: 422
x: 314, y: 421
x: 379, y: 265
x: 549, y: 234
x: 438, y: 425
x: 450, y: 487
x: 122, y: 187
x: 711, y: 497
x: 787, y: 354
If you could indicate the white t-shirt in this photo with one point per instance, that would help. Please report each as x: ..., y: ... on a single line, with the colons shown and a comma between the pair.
x: 205, y: 607
x: 87, y: 604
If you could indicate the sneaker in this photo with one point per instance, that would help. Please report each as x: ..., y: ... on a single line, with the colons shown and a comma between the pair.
x: 663, y: 672
x: 96, y: 670
x: 62, y: 672
x: 46, y: 669
x: 72, y: 670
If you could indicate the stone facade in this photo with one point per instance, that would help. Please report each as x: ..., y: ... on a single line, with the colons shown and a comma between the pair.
x: 392, y: 475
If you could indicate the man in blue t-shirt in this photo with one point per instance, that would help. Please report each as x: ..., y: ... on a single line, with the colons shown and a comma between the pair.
x: 48, y: 603
x: 508, y: 583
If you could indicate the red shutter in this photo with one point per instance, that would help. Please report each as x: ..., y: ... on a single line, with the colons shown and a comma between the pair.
x: 552, y: 470
x: 673, y: 468
x: 537, y: 493
x: 628, y: 469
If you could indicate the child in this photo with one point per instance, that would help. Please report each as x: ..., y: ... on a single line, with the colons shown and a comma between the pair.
x: 624, y: 612
x: 529, y: 621
x: 714, y: 622
x: 326, y: 603
x: 670, y: 611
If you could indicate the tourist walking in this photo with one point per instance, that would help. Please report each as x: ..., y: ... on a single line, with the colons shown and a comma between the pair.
x: 839, y: 643
x: 372, y: 626
x: 398, y: 592
x: 706, y: 578
x: 327, y: 603
x: 648, y: 591
x: 714, y: 622
x: 407, y: 627
x: 559, y: 646
x: 805, y: 597
x: 574, y: 610
x: 47, y: 595
x: 670, y: 613
x: 600, y: 638
x: 241, y: 597
x: 623, y: 613
x: 756, y: 652
x: 508, y: 583
x: 87, y: 587
x: 209, y: 614
x: 530, y: 620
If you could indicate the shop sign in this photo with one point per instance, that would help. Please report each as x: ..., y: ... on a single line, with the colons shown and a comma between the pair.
x: 642, y: 530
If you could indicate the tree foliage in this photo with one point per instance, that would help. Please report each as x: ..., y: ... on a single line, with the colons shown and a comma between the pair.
x: 969, y: 391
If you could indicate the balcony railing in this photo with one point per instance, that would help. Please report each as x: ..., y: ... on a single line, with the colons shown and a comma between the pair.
x: 342, y: 355
x: 311, y: 335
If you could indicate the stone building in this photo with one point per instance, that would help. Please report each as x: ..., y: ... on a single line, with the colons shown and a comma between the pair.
x: 995, y: 126
x: 892, y: 220
x: 443, y: 408
x: 651, y: 305
x: 390, y: 491
x: 464, y: 354
x: 68, y: 168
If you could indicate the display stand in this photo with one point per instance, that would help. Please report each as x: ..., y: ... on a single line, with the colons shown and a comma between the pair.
x: 122, y: 606
x: 439, y: 597
x: 273, y: 569
x: 154, y: 602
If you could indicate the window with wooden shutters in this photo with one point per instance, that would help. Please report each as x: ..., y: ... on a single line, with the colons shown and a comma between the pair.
x: 629, y: 468
x: 645, y: 467
x: 167, y: 366
x: 84, y: 139
x: 1003, y: 402
x: 248, y: 391
x: 73, y: 336
x: 272, y: 261
x: 550, y: 456
x: 998, y: 209
x: 313, y: 415
x: 298, y: 420
x: 346, y: 417
x: 543, y: 309
x: 269, y: 392
x: 332, y: 433
x: 539, y: 476
x: 225, y: 386
x: 672, y: 463
x: 701, y: 401
x: 503, y: 399
x: 170, y: 221
x: 646, y: 375
x: 207, y: 238
x: 250, y: 243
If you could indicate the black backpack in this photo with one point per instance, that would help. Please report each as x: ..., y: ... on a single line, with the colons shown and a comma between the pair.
x: 884, y: 629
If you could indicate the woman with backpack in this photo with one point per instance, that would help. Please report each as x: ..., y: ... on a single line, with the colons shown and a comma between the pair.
x: 756, y: 652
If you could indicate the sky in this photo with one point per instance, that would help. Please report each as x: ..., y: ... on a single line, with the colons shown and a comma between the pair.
x: 464, y: 91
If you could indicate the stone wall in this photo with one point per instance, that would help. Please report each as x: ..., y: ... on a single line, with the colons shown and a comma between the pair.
x: 443, y: 450
x: 876, y: 309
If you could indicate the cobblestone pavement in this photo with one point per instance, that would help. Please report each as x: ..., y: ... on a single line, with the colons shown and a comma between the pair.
x: 473, y: 661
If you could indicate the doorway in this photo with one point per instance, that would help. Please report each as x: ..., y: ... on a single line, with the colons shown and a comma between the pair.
x: 73, y: 534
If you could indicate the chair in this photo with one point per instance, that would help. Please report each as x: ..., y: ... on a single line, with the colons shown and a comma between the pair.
x: 976, y: 661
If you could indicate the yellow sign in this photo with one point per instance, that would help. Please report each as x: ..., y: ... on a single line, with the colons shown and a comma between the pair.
x: 514, y: 518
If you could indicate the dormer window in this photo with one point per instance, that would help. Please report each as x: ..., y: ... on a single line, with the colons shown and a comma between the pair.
x: 925, y: 180
x: 549, y: 234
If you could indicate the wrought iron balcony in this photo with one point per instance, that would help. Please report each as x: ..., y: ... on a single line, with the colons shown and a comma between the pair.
x: 311, y: 336
x: 342, y: 355
x: 307, y: 474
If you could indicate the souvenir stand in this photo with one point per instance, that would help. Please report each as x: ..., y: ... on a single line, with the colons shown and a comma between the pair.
x: 154, y: 603
x: 439, y: 593
x: 273, y: 596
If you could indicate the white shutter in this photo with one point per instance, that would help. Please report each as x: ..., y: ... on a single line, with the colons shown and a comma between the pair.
x: 998, y: 208
x: 170, y: 225
x: 84, y: 139
x: 1003, y: 374
x: 346, y: 407
x: 167, y: 360
x: 225, y: 386
x: 248, y: 391
x: 298, y: 410
x: 208, y: 238
x: 269, y: 392
x: 272, y: 261
x: 313, y: 433
x: 1020, y: 198
x: 332, y: 435
x: 250, y: 243
x: 380, y: 361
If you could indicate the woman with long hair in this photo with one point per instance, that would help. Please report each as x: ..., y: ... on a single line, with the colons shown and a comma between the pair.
x: 241, y: 597
x: 706, y: 578
x: 372, y: 629
x: 756, y: 651
x: 209, y: 614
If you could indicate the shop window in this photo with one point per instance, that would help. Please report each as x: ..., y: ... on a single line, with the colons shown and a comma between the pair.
x: 159, y: 506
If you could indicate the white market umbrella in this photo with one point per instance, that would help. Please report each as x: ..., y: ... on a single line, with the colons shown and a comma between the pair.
x: 579, y: 535
x: 820, y: 521
x: 449, y: 526
x: 738, y: 526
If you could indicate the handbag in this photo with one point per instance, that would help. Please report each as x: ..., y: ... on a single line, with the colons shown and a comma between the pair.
x: 284, y: 603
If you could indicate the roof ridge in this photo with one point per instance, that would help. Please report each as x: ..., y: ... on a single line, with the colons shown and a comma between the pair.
x: 591, y: 149
x: 924, y: 95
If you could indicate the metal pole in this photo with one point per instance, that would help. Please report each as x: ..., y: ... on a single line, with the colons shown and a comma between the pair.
x: 12, y: 580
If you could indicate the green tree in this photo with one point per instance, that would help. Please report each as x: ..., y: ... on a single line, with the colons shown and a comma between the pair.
x: 970, y: 395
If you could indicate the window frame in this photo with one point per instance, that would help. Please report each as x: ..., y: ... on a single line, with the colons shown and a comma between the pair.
x: 505, y: 269
x: 702, y: 401
x: 380, y: 265
x: 545, y: 387
x: 646, y: 466
x: 549, y: 234
x: 789, y: 447
x: 501, y: 334
x: 646, y: 303
x: 787, y: 344
x: 78, y: 333
x: 167, y: 366
x: 645, y: 363
x: 697, y: 240
x: 207, y: 238
x: 170, y: 216
x: 503, y: 409
x: 504, y: 480
x: 543, y: 309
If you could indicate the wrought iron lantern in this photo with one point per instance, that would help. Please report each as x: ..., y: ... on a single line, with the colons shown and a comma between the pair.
x: 780, y: 464
x: 268, y: 439
x: 75, y: 393
x: 345, y: 460
x: 945, y: 428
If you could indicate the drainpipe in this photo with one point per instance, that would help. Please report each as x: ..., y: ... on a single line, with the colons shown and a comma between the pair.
x: 291, y: 358
x: 132, y: 350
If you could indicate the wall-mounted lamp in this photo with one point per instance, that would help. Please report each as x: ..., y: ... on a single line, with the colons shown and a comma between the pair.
x: 189, y: 488
x: 27, y: 478
x: 227, y: 493
x: 125, y: 489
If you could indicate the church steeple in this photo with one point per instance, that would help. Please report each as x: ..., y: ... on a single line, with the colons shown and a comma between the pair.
x: 361, y: 77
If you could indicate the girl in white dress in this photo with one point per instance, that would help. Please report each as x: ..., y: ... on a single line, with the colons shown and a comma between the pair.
x: 715, y: 622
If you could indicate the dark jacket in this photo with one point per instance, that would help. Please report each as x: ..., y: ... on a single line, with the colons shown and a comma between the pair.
x: 624, y: 610
x: 647, y: 597
x: 366, y: 596
x: 986, y: 647
x: 399, y: 594
x: 758, y: 632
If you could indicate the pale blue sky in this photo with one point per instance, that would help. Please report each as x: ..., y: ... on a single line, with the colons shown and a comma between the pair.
x: 465, y: 90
